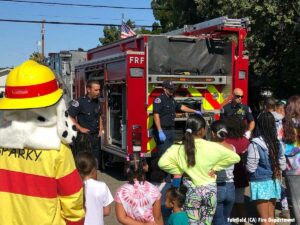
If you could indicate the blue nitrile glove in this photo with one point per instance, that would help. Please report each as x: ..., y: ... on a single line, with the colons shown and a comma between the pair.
x: 162, y: 136
x: 198, y: 113
x: 176, y: 182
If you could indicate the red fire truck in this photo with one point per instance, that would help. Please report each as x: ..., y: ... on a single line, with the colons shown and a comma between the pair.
x: 206, y: 61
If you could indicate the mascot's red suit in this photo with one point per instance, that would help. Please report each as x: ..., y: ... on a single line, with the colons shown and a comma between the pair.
x: 39, y: 183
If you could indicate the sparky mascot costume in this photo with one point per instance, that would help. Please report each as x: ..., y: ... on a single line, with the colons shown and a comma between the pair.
x: 39, y: 183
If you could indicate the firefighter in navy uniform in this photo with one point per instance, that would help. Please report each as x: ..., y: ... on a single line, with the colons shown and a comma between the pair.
x: 86, y: 115
x: 164, y: 112
x: 235, y: 107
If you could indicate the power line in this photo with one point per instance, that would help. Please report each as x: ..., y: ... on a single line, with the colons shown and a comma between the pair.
x: 78, y: 17
x: 83, y: 5
x: 70, y: 23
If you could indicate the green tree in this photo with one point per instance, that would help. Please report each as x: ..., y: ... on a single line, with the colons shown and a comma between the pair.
x: 273, y: 42
x: 173, y: 14
x: 130, y: 23
x: 113, y: 33
x: 142, y: 30
x: 156, y: 29
x: 37, y: 56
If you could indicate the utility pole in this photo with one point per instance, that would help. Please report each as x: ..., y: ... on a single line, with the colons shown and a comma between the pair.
x: 43, y: 41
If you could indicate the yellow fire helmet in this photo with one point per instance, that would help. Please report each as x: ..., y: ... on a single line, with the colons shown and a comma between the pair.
x: 30, y: 85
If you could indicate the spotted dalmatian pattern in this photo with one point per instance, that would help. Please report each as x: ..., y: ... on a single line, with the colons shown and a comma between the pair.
x: 66, y: 129
x: 40, y: 128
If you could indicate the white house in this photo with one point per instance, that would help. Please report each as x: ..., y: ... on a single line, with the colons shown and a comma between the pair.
x: 3, y: 74
x: 63, y: 64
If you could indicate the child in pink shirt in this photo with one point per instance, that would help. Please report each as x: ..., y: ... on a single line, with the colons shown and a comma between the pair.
x: 138, y: 201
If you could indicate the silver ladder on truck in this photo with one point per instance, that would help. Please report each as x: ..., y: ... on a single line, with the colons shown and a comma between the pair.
x: 223, y: 21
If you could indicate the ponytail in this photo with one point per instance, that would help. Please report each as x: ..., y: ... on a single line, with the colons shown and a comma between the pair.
x: 193, y: 125
x: 189, y: 146
x: 218, y: 127
x: 134, y: 167
x: 222, y: 134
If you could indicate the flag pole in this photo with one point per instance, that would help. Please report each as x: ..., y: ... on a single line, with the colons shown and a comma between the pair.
x: 122, y: 21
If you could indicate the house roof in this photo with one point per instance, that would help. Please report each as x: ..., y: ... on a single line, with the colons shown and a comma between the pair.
x: 4, y: 71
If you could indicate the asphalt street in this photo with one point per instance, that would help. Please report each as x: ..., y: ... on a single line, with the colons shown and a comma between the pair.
x: 114, y: 178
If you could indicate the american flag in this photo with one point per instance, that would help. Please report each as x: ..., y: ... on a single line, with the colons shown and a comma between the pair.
x: 126, y: 31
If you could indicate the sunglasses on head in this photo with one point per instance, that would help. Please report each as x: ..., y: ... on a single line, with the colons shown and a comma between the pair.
x: 239, y: 96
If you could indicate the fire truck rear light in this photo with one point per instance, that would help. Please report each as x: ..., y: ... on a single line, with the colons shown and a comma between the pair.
x: 136, y: 137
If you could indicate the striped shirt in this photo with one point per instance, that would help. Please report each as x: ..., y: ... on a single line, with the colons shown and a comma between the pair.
x: 40, y: 187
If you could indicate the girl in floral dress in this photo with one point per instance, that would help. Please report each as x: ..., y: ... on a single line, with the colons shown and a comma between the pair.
x: 138, y: 201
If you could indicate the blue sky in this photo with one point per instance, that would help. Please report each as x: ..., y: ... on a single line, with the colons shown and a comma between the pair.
x: 19, y: 40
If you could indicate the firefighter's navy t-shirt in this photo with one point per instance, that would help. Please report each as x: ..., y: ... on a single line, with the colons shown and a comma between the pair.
x: 87, y: 112
x: 237, y: 109
x: 166, y: 107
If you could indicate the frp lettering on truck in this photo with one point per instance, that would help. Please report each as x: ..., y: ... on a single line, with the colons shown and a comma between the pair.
x: 136, y: 60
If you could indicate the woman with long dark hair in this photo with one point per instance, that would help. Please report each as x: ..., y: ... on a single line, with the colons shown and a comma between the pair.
x: 265, y: 161
x: 236, y: 128
x: 198, y: 159
x: 291, y: 138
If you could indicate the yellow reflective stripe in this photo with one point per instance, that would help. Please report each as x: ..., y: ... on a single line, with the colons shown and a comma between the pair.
x: 207, y: 105
x: 151, y: 145
x: 150, y: 108
x: 212, y: 89
x: 194, y: 92
x: 150, y: 88
x: 149, y: 122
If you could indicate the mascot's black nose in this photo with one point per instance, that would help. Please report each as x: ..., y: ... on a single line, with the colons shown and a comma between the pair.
x: 42, y: 119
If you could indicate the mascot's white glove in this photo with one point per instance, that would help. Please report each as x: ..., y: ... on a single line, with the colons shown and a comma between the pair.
x: 247, y: 134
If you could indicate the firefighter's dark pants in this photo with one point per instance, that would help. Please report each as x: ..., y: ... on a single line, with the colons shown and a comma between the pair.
x: 87, y: 142
x: 163, y: 146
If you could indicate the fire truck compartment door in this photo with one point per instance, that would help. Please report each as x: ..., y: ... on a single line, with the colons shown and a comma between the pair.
x: 169, y: 55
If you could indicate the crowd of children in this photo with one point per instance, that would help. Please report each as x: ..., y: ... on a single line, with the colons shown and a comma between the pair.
x: 213, y: 174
